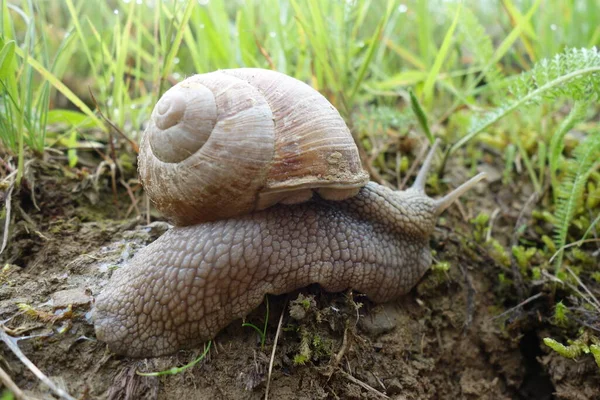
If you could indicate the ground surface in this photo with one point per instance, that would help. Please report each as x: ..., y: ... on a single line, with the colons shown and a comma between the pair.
x: 442, y: 341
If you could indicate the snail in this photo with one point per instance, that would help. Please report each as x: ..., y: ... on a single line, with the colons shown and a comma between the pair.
x: 266, y: 143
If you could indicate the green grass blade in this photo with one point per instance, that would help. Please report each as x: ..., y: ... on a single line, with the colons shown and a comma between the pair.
x: 421, y: 117
x: 177, y: 370
x: 183, y: 23
x: 61, y: 87
x: 375, y: 42
x: 7, y: 55
x: 439, y: 59
x: 82, y: 38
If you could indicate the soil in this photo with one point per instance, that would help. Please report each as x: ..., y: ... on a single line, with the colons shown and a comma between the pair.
x: 447, y: 339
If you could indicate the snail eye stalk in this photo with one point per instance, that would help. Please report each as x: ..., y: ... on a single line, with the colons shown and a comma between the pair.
x: 442, y: 204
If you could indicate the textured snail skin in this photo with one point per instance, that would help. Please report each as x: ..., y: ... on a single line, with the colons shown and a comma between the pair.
x: 182, y: 289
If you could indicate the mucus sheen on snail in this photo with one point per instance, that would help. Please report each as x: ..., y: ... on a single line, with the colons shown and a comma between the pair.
x: 233, y: 158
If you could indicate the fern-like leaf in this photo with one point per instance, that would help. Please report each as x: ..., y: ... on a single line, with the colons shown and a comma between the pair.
x: 570, y: 191
x: 574, y: 74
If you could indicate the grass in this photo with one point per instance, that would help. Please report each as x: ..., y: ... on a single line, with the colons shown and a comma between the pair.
x: 178, y: 370
x: 497, y: 74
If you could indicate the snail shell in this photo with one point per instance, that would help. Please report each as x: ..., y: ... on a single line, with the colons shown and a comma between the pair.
x: 234, y: 141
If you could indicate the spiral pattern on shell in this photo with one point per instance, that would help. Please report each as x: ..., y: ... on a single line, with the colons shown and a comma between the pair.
x: 234, y: 141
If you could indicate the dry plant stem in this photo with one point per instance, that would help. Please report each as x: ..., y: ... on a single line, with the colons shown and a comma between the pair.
x: 566, y: 246
x: 593, y: 300
x: 413, y: 167
x: 521, y: 304
x: 11, y: 385
x: 12, y: 345
x: 470, y: 298
x: 523, y: 215
x: 573, y: 288
x: 265, y: 53
x: 7, y: 206
x: 492, y: 221
x: 134, y: 201
x: 583, y: 323
x: 363, y: 385
x: 375, y: 175
x: 279, y: 325
x: 339, y: 355
x: 133, y: 144
x: 113, y: 178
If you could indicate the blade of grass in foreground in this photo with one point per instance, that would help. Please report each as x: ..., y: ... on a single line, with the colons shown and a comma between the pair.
x: 82, y: 38
x: 375, y: 41
x: 176, y: 370
x: 61, y: 87
x: 421, y: 117
x: 439, y: 59
x: 183, y: 25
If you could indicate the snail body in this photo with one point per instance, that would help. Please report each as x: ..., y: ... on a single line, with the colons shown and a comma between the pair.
x: 194, y: 280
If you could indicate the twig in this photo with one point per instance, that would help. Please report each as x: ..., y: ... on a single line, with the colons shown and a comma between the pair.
x: 340, y: 354
x: 573, y: 288
x: 595, y: 301
x: 580, y: 322
x: 134, y: 201
x: 7, y: 205
x: 470, y: 298
x: 265, y: 53
x: 414, y: 166
x: 12, y: 345
x: 362, y: 384
x: 133, y: 144
x: 11, y: 385
x: 112, y: 167
x: 521, y: 304
x: 518, y: 279
x: 566, y: 246
x: 274, y: 348
x: 493, y: 217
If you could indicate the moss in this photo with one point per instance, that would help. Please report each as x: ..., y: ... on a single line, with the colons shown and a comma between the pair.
x: 480, y: 226
x: 595, y: 350
x: 442, y: 266
x: 549, y: 243
x: 585, y: 344
x: 560, y: 314
x: 304, y: 352
x: 498, y: 252
x: 523, y: 257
